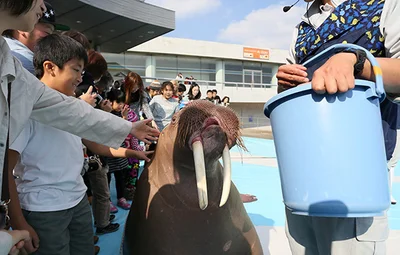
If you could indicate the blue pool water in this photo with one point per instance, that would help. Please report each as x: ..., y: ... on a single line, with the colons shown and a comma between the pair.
x: 262, y: 181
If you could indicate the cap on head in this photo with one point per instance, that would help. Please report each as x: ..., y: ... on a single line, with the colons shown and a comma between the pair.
x: 155, y: 85
x: 50, y: 17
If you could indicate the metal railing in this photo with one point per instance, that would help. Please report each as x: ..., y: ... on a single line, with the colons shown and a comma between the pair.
x: 148, y: 80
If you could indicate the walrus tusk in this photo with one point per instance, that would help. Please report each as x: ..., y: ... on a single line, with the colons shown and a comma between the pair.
x: 226, y: 185
x: 200, y: 168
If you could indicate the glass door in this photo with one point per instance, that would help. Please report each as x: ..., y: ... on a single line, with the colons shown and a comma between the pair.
x: 252, y: 78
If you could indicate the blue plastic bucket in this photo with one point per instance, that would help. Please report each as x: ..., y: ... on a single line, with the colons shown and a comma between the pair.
x: 330, y: 148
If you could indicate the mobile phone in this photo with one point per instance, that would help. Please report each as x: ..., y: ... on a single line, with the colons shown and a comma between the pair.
x: 99, y: 99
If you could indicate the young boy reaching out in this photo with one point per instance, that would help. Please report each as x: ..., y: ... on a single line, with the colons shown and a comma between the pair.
x: 50, y: 190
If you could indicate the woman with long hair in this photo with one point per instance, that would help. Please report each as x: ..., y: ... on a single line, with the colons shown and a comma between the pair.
x: 136, y: 97
x: 225, y: 101
x: 194, y: 92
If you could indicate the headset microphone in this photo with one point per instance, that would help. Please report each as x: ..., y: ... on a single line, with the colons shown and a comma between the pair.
x: 287, y: 8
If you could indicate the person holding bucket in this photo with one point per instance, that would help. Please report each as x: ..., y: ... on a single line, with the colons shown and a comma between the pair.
x: 372, y: 25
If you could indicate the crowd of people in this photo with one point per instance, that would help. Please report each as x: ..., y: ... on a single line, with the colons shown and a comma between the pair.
x: 49, y: 200
x: 194, y: 92
x: 62, y: 180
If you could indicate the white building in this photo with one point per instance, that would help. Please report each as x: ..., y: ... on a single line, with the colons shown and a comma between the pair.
x: 245, y: 74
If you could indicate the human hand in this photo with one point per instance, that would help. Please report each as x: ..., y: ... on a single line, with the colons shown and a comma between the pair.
x: 33, y: 244
x: 336, y: 75
x: 125, y: 111
x: 143, y: 132
x: 89, y: 97
x: 19, y: 237
x: 143, y: 155
x: 291, y: 75
x: 106, y: 105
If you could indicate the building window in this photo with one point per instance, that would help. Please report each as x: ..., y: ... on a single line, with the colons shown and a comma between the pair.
x: 208, y: 70
x: 125, y: 63
x: 252, y: 65
x: 233, y: 72
x: 252, y: 74
x: 252, y: 78
x: 189, y: 66
x: 166, y: 67
x: 136, y: 63
x: 247, y: 74
x: 266, y: 73
x: 203, y: 69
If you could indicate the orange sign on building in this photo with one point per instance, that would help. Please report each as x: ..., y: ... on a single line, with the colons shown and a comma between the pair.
x: 255, y: 53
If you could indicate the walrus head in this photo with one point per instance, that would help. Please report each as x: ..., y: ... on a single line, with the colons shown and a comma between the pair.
x: 208, y: 131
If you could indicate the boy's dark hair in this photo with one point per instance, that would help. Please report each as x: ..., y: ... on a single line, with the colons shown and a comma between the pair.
x: 181, y: 88
x: 16, y: 7
x: 97, y: 65
x: 79, y: 37
x: 106, y: 81
x: 214, y: 90
x: 58, y: 49
x: 116, y: 95
x: 166, y: 84
x: 209, y: 91
x: 9, y: 33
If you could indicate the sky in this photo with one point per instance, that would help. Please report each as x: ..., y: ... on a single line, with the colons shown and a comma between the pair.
x: 256, y: 23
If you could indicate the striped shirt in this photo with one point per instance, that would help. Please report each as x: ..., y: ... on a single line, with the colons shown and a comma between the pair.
x: 117, y: 164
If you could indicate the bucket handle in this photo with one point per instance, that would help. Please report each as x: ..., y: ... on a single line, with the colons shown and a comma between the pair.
x: 337, y: 48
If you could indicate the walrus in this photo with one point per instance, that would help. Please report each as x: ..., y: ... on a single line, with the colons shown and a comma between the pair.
x: 185, y: 202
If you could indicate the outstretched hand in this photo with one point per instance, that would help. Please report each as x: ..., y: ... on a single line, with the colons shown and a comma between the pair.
x: 143, y: 155
x: 143, y: 132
